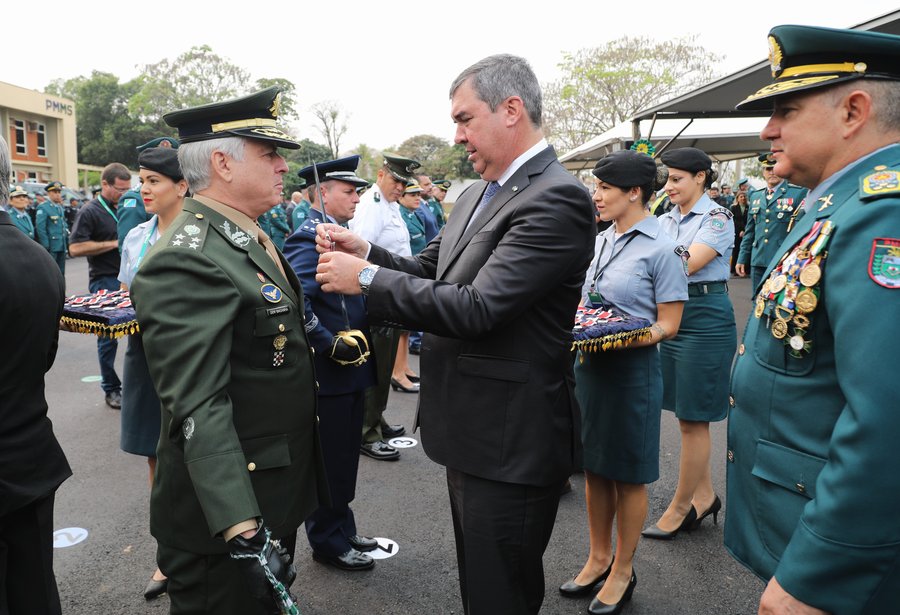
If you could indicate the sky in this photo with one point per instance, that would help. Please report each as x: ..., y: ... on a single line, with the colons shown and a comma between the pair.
x: 388, y: 64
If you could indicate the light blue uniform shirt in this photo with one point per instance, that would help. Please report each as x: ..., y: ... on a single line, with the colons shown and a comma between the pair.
x: 638, y: 270
x: 707, y: 223
x: 133, y: 245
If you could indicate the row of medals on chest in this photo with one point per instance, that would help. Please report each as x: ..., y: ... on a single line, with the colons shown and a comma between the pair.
x: 791, y: 292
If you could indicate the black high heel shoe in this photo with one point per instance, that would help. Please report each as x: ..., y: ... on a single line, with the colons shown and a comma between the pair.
x: 712, y: 510
x: 601, y: 608
x: 155, y: 588
x: 687, y: 525
x: 571, y: 589
x: 413, y: 378
x: 395, y: 384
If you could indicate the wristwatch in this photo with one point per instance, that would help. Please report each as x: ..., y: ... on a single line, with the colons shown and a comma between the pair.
x: 366, y: 275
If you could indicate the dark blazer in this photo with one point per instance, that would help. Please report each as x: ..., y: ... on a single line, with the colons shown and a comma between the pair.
x: 32, y: 464
x: 498, y: 302
x: 233, y: 369
x: 325, y: 315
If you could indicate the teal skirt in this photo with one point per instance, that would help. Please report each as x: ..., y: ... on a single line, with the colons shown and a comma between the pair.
x: 620, y: 395
x: 696, y: 363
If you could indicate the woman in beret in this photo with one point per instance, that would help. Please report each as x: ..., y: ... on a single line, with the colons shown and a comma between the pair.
x: 637, y: 269
x: 163, y: 189
x: 696, y: 363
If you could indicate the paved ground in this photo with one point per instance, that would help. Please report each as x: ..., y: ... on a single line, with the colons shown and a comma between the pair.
x: 404, y: 501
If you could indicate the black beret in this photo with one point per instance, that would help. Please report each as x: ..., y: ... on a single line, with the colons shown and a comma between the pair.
x: 626, y: 169
x: 159, y: 142
x: 687, y: 158
x: 163, y: 160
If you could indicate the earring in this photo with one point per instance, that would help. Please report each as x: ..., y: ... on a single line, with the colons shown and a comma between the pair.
x: 633, y: 199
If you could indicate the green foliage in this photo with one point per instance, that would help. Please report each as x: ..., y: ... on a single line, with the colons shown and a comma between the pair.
x: 604, y: 86
x: 437, y: 157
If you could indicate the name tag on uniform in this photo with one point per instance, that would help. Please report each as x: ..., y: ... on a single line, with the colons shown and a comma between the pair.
x: 277, y: 311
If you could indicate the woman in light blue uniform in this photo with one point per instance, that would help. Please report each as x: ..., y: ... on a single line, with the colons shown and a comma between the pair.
x: 696, y: 363
x: 163, y: 190
x: 638, y: 269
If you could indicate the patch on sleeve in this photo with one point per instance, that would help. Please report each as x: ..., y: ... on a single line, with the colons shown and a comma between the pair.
x: 884, y: 262
x: 128, y: 203
x: 718, y: 217
x: 685, y: 255
x: 883, y: 182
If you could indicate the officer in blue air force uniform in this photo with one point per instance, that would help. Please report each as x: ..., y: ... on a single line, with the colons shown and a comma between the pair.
x: 769, y: 215
x: 344, y: 370
x: 813, y: 486
x: 50, y: 226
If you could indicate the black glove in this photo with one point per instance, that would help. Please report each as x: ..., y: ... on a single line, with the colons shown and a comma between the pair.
x: 349, y: 348
x: 266, y: 568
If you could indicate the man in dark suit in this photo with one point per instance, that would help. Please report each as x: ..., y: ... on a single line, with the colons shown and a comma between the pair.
x: 239, y: 463
x: 338, y: 329
x: 496, y: 294
x: 32, y: 464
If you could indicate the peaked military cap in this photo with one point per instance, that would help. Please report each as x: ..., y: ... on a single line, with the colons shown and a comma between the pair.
x: 163, y: 160
x: 253, y: 117
x: 626, y: 168
x: 807, y: 57
x: 743, y: 181
x: 767, y: 159
x: 159, y: 142
x: 342, y: 169
x: 443, y: 184
x: 412, y: 188
x: 401, y: 168
x: 54, y: 185
x: 17, y: 191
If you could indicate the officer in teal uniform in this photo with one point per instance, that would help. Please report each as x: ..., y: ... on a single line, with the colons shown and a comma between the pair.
x: 439, y: 188
x: 770, y: 213
x: 813, y: 487
x: 301, y: 210
x: 50, y: 225
x: 275, y: 223
x: 18, y: 204
x: 409, y: 205
x: 131, y: 210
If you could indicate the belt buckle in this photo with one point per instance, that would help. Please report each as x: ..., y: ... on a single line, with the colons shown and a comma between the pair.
x: 705, y: 289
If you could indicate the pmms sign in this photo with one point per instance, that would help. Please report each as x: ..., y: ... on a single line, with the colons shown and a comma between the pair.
x: 54, y: 106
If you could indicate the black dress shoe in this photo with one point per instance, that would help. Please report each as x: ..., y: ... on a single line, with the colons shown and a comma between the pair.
x: 363, y: 543
x: 379, y: 450
x: 571, y: 589
x: 352, y: 560
x: 413, y: 379
x: 601, y: 608
x: 393, y: 431
x: 155, y: 588
x: 397, y: 386
x: 687, y: 525
x: 114, y: 400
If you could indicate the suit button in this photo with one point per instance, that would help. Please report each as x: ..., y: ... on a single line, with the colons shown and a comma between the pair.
x: 801, y: 487
x: 765, y: 230
x: 730, y: 456
x: 765, y: 241
x: 251, y: 466
x: 741, y: 349
x: 281, y: 328
x: 731, y: 400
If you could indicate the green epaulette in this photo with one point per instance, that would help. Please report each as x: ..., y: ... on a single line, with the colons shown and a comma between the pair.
x: 189, y: 233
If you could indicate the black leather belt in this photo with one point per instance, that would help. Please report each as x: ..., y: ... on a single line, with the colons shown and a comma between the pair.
x: 696, y: 289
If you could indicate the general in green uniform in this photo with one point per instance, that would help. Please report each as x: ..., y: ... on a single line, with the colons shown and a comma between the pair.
x: 769, y: 216
x: 221, y: 311
x: 813, y: 486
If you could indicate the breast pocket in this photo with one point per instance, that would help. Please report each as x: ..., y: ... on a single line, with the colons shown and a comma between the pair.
x: 276, y: 338
x: 622, y: 282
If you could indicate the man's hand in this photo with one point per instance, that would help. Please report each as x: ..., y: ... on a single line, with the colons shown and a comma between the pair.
x: 266, y: 568
x: 332, y: 237
x: 339, y: 273
x: 740, y: 270
x: 776, y: 601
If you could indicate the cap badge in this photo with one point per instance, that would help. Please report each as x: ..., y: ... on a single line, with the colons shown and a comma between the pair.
x: 275, y: 109
x: 775, y: 55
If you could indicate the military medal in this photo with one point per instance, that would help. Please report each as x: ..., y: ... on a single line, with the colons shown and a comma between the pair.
x: 766, y: 288
x: 796, y: 342
x: 810, y: 275
x: 760, y: 307
x: 806, y: 301
x: 779, y: 328
x: 279, y: 342
x: 801, y: 321
x: 778, y: 284
x: 261, y: 277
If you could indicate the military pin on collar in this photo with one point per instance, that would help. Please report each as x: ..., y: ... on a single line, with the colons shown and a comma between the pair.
x: 826, y: 202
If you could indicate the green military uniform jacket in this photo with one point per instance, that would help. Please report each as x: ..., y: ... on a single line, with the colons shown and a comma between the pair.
x: 129, y: 213
x: 22, y: 221
x: 51, y: 228
x: 767, y: 222
x: 224, y: 337
x: 416, y: 229
x: 300, y: 214
x: 438, y: 210
x: 813, y: 480
x: 275, y: 223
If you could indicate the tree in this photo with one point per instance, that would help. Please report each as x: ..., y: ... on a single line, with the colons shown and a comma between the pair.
x: 308, y: 153
x: 288, y: 111
x: 604, y: 86
x: 331, y: 126
x: 422, y: 148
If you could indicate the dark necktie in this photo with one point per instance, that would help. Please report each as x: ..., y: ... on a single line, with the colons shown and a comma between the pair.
x: 491, y: 190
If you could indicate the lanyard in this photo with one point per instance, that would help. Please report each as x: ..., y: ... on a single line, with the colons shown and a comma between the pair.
x: 145, y: 245
x: 106, y: 207
x: 598, y: 271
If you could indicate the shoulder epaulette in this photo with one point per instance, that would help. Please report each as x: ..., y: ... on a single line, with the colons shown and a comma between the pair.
x: 713, y: 211
x: 883, y: 181
x: 190, y: 233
